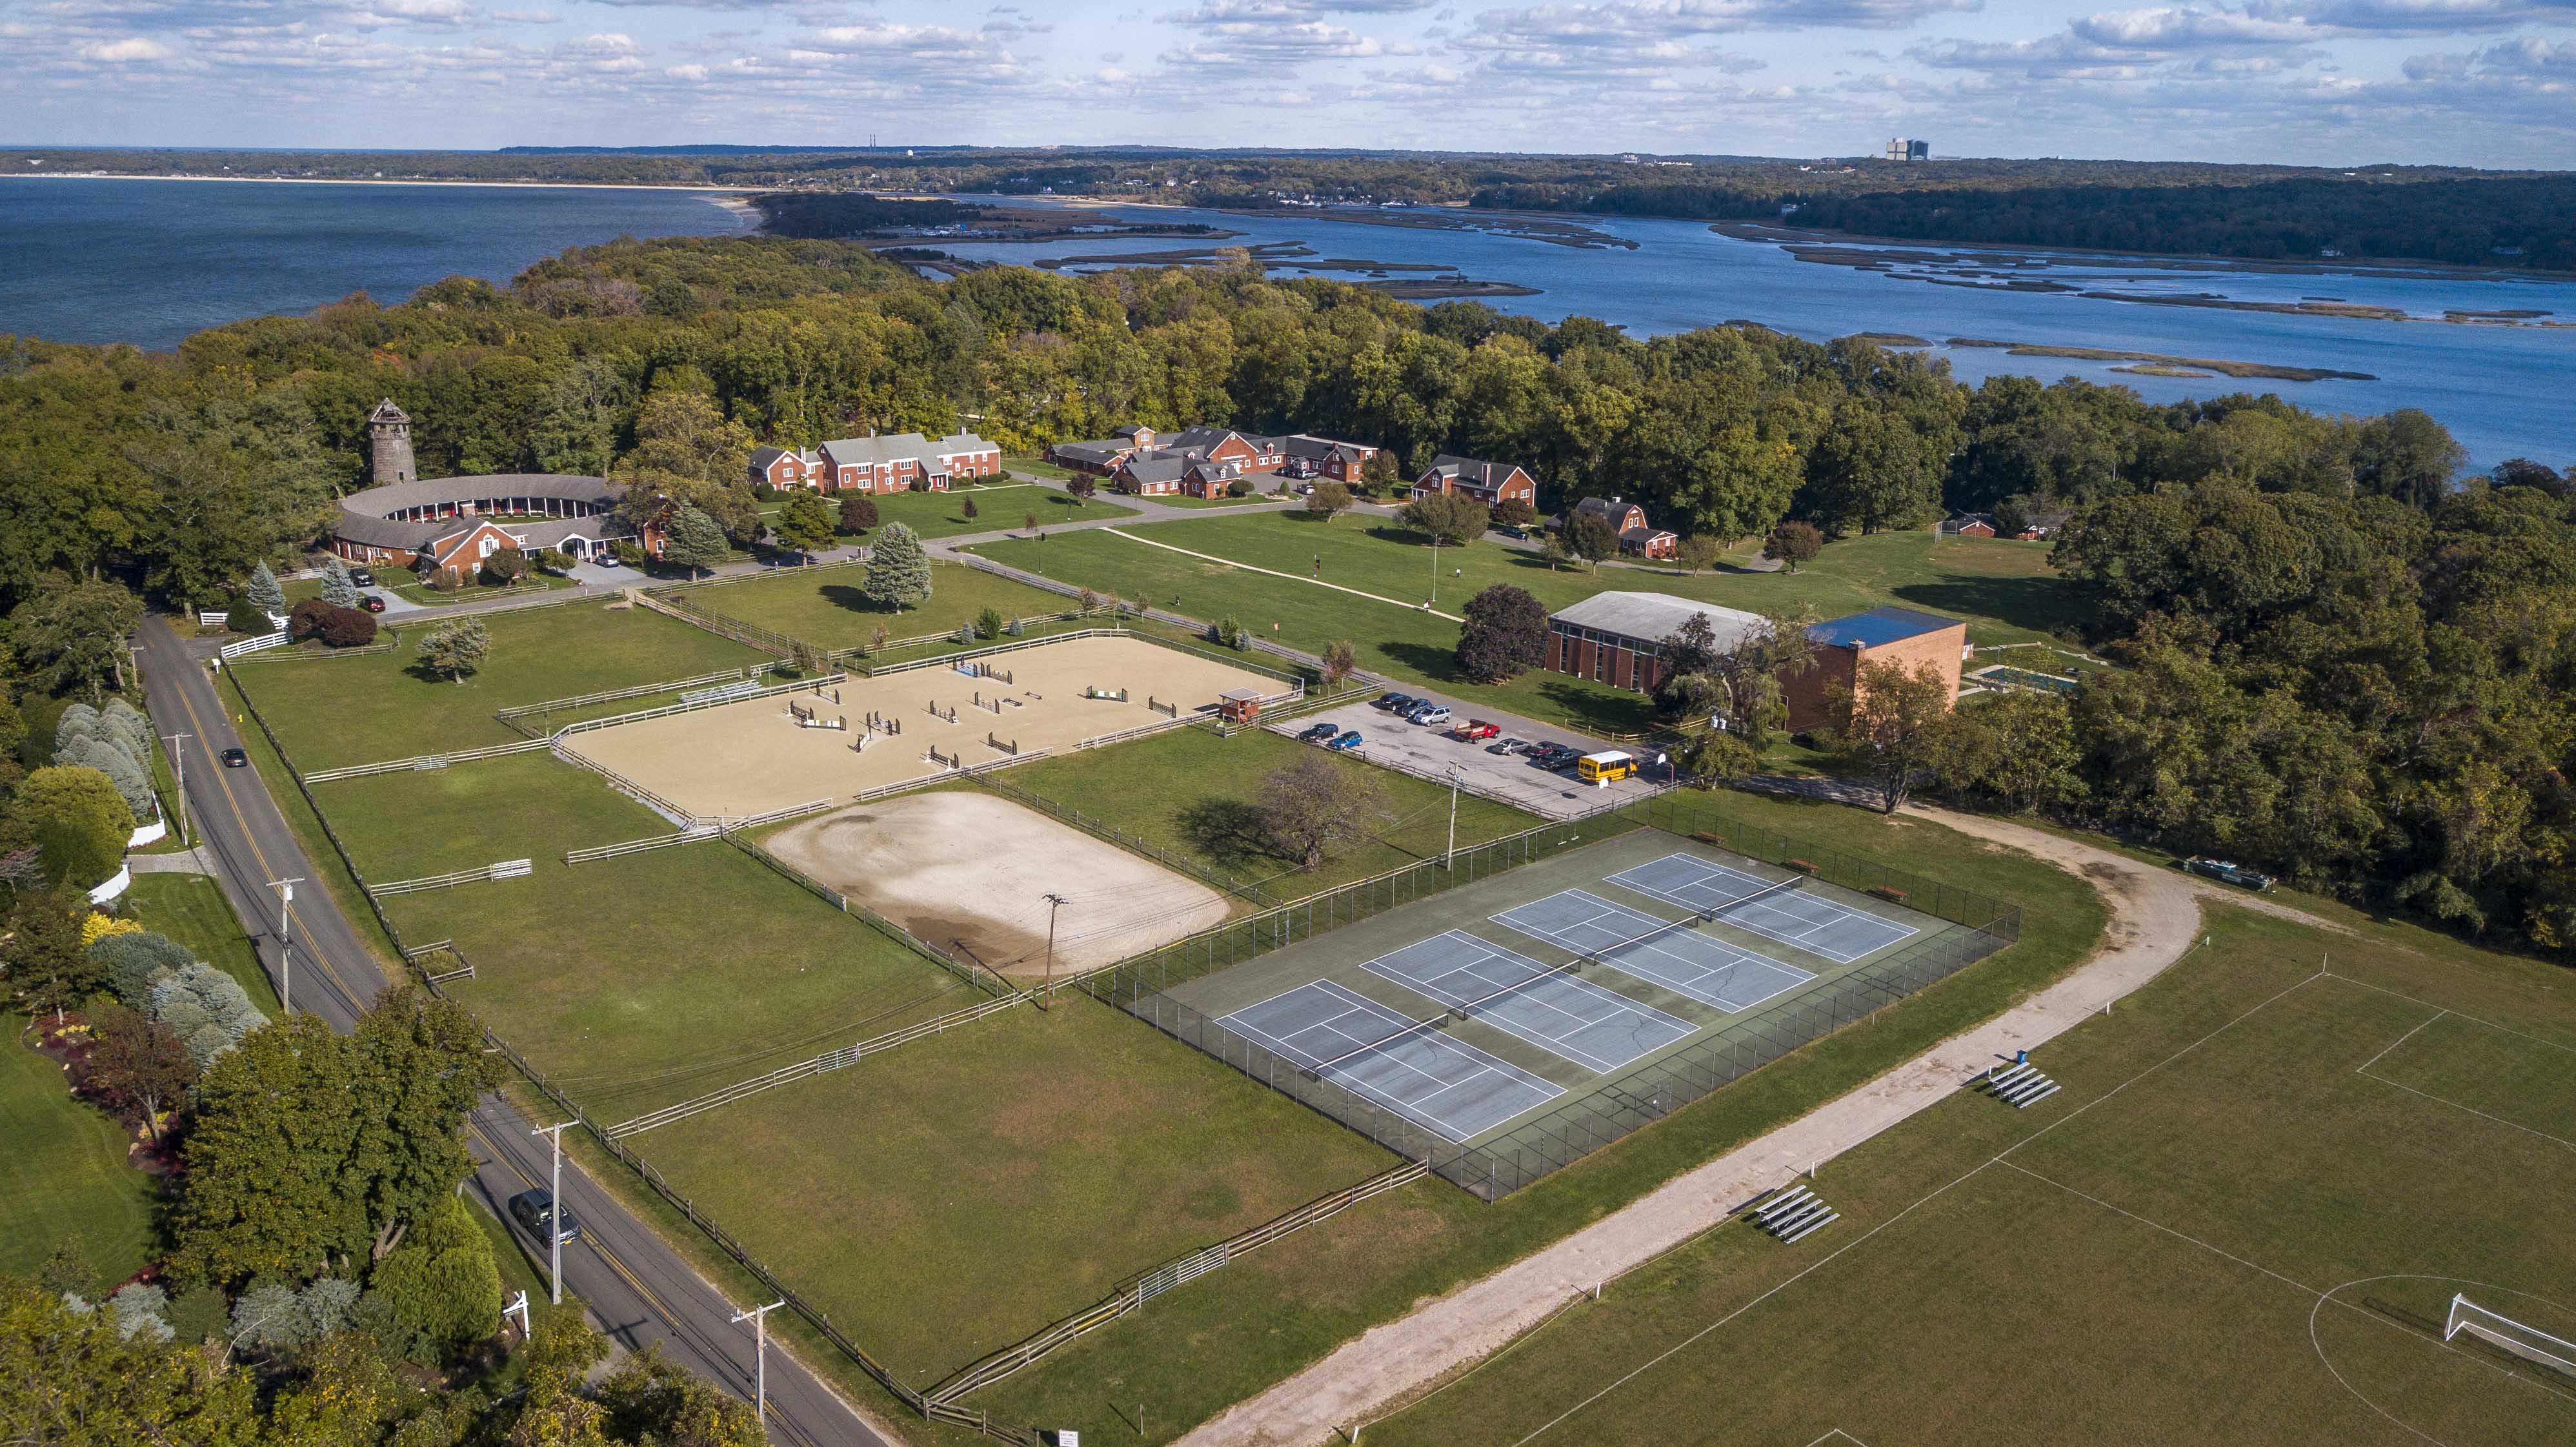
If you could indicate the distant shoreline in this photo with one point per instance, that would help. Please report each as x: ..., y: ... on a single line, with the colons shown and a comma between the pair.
x: 379, y: 181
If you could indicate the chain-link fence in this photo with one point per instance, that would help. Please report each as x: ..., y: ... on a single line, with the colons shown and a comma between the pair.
x: 1559, y: 1136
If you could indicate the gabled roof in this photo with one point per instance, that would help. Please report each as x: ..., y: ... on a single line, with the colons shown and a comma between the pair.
x: 1878, y: 627
x: 1102, y: 452
x: 1200, y: 438
x: 1487, y: 475
x: 762, y: 457
x: 1160, y: 466
x: 894, y: 446
x: 363, y: 514
x: 1299, y: 444
x: 1607, y: 507
x: 958, y: 443
x: 1641, y: 533
x: 1652, y: 617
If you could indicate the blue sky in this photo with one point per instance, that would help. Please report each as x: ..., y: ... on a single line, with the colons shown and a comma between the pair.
x: 2335, y: 82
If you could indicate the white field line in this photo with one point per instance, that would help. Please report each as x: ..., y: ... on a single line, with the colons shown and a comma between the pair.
x: 2364, y: 1067
x: 1275, y: 573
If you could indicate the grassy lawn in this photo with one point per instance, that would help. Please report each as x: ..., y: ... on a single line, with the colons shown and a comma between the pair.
x: 964, y: 1191
x: 943, y: 514
x: 1397, y: 642
x: 429, y: 597
x: 824, y: 606
x: 1033, y: 465
x: 192, y: 910
x: 1211, y: 504
x: 1194, y: 794
x: 63, y: 1176
x: 1231, y: 1334
x: 535, y: 806
x: 643, y: 980
x: 2164, y: 1251
x: 359, y: 710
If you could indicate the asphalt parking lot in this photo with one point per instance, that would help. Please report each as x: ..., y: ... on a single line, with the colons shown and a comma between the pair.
x: 1430, y: 751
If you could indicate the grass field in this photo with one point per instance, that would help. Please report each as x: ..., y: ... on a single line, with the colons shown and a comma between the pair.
x: 63, y: 1176
x: 825, y: 606
x: 190, y: 909
x: 943, y: 514
x: 1194, y: 794
x: 2258, y: 1188
x: 642, y: 980
x: 534, y: 806
x: 359, y: 710
x: 966, y: 1190
x: 1230, y: 1334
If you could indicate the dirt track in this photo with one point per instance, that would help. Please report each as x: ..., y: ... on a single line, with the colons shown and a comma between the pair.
x: 2155, y: 916
x: 975, y: 869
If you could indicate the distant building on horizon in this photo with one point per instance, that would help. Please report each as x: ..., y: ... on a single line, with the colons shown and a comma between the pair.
x: 1901, y: 149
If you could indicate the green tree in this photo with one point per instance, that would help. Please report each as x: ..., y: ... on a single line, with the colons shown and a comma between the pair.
x: 1698, y: 552
x: 1794, y: 542
x: 268, y: 1190
x: 1589, y: 536
x: 805, y: 523
x: 505, y: 566
x: 687, y: 454
x: 898, y: 569
x: 1504, y: 635
x: 418, y: 1069
x: 337, y: 590
x: 71, y: 638
x: 42, y: 956
x: 1311, y: 803
x: 1448, y: 518
x: 442, y: 1281
x: 1873, y: 470
x: 456, y: 648
x: 2408, y: 456
x: 1889, y: 729
x: 76, y: 1381
x: 80, y: 821
x: 1381, y: 472
x: 647, y: 1399
x: 1712, y: 757
x: 693, y: 540
x: 2019, y: 750
x: 1327, y: 499
x: 1341, y: 659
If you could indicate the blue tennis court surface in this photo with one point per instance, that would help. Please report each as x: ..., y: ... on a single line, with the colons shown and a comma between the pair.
x: 1435, y: 1080
x: 1598, y: 1029
x: 1792, y: 916
x: 1690, y: 964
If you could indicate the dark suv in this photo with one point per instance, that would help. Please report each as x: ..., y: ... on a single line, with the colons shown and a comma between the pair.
x: 532, y: 1209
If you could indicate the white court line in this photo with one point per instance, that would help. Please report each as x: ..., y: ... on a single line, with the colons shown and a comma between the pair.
x: 1413, y: 1108
x: 1614, y: 1006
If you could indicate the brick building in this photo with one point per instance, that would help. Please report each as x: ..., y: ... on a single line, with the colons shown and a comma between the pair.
x: 1491, y: 483
x: 1617, y: 638
x: 1638, y: 538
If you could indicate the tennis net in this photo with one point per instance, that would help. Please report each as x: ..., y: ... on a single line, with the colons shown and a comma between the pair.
x: 1714, y: 912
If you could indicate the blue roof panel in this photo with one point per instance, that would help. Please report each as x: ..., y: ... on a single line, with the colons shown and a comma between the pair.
x: 1877, y: 628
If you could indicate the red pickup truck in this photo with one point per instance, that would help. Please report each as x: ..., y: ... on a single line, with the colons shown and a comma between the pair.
x: 1476, y: 730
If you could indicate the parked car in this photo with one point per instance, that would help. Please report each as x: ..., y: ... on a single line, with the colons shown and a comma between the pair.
x: 1553, y: 756
x: 1475, y: 730
x: 1395, y: 702
x: 1320, y: 733
x: 534, y: 1209
x: 605, y: 560
x: 1507, y: 530
x: 1506, y: 746
x: 372, y: 602
x: 1305, y: 489
x: 1346, y: 742
x: 362, y: 577
x: 236, y: 759
x: 1427, y: 713
x: 2227, y: 871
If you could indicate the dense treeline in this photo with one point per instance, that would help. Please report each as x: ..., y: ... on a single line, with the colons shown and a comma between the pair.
x: 2525, y: 222
x: 852, y: 213
x: 2379, y: 212
x: 663, y: 361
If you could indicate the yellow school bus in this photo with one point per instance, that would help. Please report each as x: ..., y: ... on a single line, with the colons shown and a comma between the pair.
x: 1604, y: 767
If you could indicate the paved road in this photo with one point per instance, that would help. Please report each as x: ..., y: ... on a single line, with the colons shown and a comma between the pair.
x: 1392, y: 743
x: 638, y: 1288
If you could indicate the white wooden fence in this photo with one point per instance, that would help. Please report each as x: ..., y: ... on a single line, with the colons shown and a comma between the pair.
x: 423, y: 761
x: 505, y: 869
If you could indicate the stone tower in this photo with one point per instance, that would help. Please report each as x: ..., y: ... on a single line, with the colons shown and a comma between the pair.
x: 390, y: 431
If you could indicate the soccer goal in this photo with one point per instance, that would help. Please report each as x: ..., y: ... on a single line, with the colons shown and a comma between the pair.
x: 2505, y: 1333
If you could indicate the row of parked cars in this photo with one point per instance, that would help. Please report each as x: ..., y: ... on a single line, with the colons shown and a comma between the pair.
x: 1427, y: 713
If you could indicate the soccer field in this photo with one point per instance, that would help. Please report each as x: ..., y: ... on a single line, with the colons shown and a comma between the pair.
x: 2242, y: 1220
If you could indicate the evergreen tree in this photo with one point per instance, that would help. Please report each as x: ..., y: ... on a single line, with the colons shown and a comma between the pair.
x: 79, y: 819
x: 456, y: 648
x: 441, y: 1281
x: 1505, y: 634
x: 337, y: 590
x: 694, y: 540
x: 805, y: 523
x: 263, y: 590
x: 898, y: 570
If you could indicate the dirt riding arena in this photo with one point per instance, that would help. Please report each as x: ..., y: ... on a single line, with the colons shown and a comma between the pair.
x: 751, y: 757
x: 972, y: 869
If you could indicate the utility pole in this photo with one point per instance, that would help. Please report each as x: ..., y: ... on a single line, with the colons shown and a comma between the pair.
x: 1054, y: 902
x: 758, y: 1316
x: 1449, y: 856
x: 285, y: 942
x: 555, y: 1215
x: 179, y: 755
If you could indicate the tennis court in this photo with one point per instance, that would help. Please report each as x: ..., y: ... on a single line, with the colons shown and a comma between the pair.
x: 1661, y: 952
x: 1433, y: 1079
x: 1551, y: 1009
x: 1775, y: 909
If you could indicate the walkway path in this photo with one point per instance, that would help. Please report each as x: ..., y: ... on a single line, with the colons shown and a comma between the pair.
x: 1291, y: 577
x: 2155, y: 917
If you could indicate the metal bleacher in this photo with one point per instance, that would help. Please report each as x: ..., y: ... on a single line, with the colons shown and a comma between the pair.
x: 722, y: 693
x: 2019, y: 1085
x: 1793, y: 1212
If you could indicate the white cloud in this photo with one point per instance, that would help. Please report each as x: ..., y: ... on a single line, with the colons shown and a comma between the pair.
x: 126, y: 51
